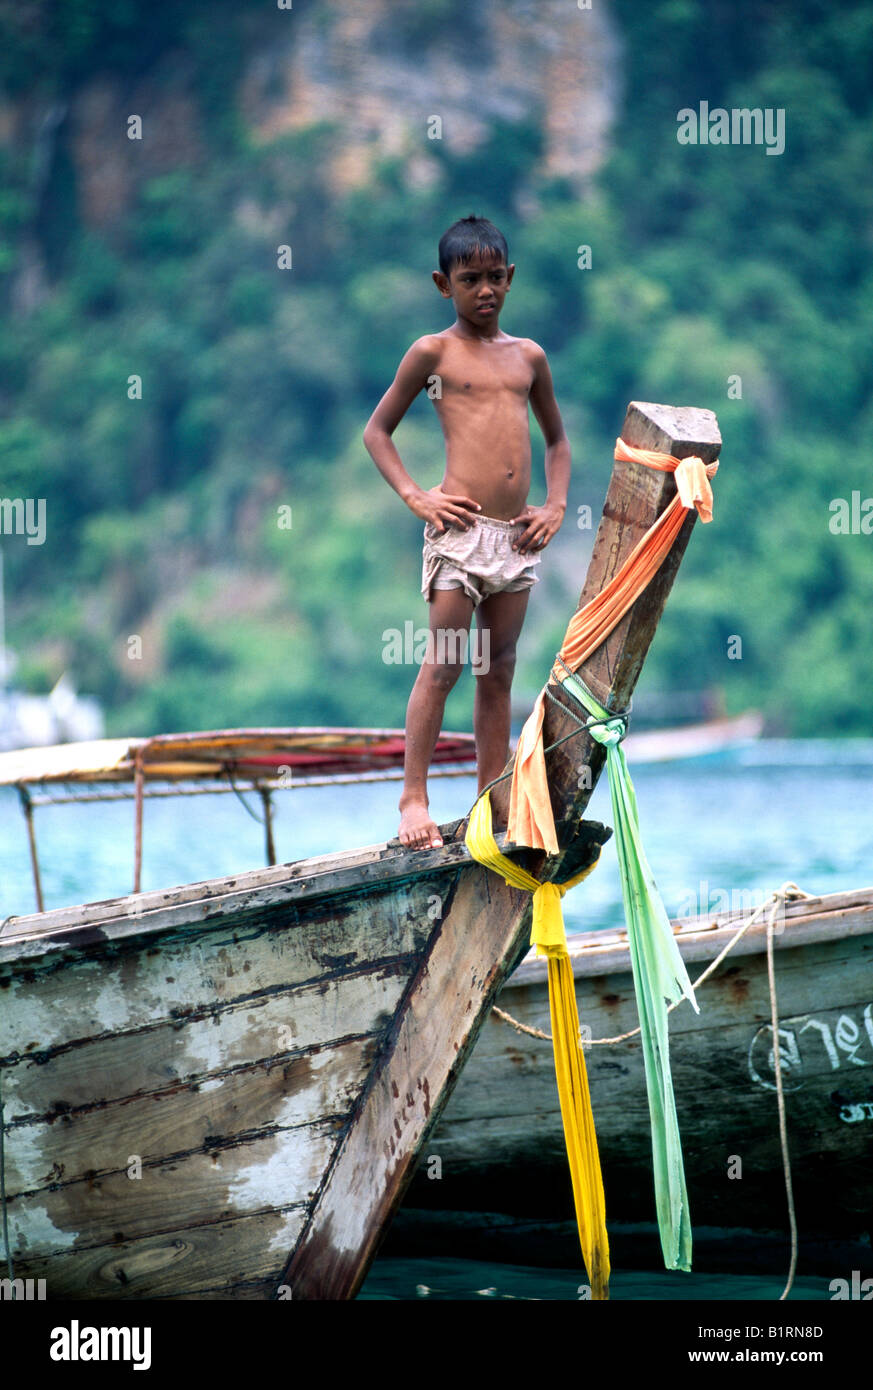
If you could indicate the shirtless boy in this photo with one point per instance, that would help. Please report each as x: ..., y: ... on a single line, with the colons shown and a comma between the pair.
x: 482, y: 540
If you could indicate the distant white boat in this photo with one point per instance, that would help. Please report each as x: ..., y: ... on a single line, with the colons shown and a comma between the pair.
x: 714, y: 736
x: 36, y: 721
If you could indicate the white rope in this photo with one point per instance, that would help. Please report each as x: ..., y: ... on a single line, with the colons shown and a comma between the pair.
x: 780, y: 1101
x: 787, y: 893
x: 5, y: 1221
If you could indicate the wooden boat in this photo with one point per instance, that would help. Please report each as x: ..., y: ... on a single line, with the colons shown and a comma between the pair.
x: 221, y: 1090
x: 711, y: 739
x: 503, y: 1118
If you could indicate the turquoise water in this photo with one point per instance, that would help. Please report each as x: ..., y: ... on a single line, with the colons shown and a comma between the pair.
x: 713, y: 830
x: 717, y: 833
x: 440, y: 1279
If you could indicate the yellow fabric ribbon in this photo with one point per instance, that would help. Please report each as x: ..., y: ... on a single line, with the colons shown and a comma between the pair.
x: 550, y: 939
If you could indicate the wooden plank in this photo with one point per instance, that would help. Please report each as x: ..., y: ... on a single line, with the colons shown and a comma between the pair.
x: 378, y: 868
x: 854, y: 924
x: 482, y: 928
x: 259, y: 1175
x: 515, y: 1091
x: 193, y: 1048
x: 465, y: 966
x: 730, y: 998
x: 830, y: 918
x: 850, y: 927
x: 287, y: 1091
x: 636, y: 497
x: 119, y: 986
x: 182, y: 1264
x: 261, y: 1290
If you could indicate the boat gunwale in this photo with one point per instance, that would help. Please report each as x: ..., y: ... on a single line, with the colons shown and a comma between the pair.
x: 246, y: 891
x: 301, y: 880
x: 604, y: 951
x: 808, y: 921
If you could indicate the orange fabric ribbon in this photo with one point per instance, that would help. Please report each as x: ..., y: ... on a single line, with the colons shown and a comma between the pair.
x: 531, y: 821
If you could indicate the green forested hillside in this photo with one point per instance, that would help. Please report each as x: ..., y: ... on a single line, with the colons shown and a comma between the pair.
x: 708, y: 263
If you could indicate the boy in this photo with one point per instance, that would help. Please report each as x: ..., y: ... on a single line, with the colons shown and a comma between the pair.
x: 482, y: 541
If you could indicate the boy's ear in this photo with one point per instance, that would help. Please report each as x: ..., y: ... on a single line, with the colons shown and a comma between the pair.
x: 510, y: 271
x: 442, y: 283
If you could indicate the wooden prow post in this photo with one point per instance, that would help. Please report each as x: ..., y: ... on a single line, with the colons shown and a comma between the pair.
x: 484, y: 924
x: 636, y: 497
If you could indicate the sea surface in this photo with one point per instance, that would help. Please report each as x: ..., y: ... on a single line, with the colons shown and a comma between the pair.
x: 716, y: 832
x: 445, y: 1280
x: 719, y: 833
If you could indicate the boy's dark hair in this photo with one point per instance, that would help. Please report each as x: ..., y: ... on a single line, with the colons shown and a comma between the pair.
x: 468, y: 237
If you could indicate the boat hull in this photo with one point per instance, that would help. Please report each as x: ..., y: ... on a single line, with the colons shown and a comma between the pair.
x: 176, y: 1082
x: 503, y: 1119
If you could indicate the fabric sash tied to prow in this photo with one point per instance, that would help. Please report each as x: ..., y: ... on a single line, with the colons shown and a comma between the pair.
x: 550, y: 939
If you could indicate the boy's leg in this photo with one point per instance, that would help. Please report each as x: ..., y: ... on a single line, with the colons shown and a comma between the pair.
x: 450, y: 613
x: 499, y: 619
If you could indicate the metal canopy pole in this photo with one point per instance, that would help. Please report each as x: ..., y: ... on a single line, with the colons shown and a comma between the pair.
x: 137, y: 822
x: 27, y: 808
x: 267, y: 800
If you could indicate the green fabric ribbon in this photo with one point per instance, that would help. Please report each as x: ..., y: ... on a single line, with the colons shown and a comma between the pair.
x: 659, y: 972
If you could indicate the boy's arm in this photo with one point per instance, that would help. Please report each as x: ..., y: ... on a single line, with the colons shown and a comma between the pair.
x: 440, y: 508
x: 544, y: 522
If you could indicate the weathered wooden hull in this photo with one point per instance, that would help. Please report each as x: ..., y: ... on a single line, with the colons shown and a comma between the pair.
x: 500, y: 1141
x: 202, y: 1060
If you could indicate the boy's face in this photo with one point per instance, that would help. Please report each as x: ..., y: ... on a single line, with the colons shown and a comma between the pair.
x: 478, y: 288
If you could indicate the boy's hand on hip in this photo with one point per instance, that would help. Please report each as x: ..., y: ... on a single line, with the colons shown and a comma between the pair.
x: 541, y: 524
x: 443, y: 509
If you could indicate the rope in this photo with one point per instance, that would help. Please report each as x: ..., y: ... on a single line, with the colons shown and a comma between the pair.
x: 9, y: 1266
x: 780, y: 1101
x: 241, y: 799
x: 521, y: 1027
x: 585, y: 725
x: 787, y: 893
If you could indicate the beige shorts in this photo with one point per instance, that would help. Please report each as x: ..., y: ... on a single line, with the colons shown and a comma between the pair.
x: 480, y: 561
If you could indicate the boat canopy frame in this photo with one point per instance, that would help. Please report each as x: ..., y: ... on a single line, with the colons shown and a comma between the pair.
x: 236, y: 761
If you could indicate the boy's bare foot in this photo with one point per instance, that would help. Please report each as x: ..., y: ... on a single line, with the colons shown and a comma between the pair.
x: 417, y: 829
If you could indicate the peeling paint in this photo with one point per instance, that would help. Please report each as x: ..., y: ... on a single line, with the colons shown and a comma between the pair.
x: 33, y: 1229
x: 286, y: 1175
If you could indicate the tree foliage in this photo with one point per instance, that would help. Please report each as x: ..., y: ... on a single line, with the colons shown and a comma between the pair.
x: 709, y: 264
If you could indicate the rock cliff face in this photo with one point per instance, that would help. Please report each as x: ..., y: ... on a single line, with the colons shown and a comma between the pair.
x: 391, y: 76
x: 394, y: 77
